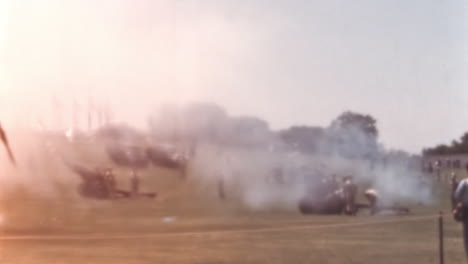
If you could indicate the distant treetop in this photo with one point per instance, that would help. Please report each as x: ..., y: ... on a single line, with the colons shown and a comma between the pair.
x: 456, y: 147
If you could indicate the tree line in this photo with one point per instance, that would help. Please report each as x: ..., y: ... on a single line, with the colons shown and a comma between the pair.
x: 350, y: 135
x: 459, y: 146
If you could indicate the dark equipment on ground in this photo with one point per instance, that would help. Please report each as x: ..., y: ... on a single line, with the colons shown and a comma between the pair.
x: 140, y: 157
x: 133, y: 157
x: 327, y: 197
x: 165, y: 158
x: 333, y: 203
x: 98, y: 184
x: 324, y: 198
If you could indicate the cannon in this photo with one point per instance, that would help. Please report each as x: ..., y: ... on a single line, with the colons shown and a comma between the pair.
x: 327, y: 197
x: 333, y: 203
x: 140, y: 157
x: 101, y: 185
x: 128, y: 156
x: 166, y: 157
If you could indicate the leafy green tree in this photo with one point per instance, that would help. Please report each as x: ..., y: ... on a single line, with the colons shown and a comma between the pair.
x: 306, y: 139
x: 356, y: 121
x: 354, y: 135
x: 456, y: 147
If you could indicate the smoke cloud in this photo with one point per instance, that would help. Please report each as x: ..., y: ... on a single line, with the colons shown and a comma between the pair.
x: 240, y: 156
x: 245, y: 155
x: 134, y: 55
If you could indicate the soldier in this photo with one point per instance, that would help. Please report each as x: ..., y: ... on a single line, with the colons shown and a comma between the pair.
x: 437, y: 169
x: 453, y: 185
x: 135, y: 183
x: 461, y: 199
x: 372, y: 197
x: 349, y: 191
x: 110, y: 182
x: 223, y: 175
x: 430, y: 168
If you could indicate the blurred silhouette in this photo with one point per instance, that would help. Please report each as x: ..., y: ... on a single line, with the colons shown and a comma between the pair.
x: 4, y: 139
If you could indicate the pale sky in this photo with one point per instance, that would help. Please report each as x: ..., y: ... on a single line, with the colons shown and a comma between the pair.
x: 288, y: 62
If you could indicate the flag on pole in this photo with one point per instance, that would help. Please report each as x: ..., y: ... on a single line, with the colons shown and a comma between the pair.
x: 4, y: 139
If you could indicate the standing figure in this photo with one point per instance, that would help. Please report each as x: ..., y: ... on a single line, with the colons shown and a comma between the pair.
x: 461, y: 199
x: 222, y: 176
x: 350, y: 191
x: 453, y: 188
x: 372, y: 197
x: 110, y: 183
x: 135, y: 183
x: 437, y: 170
x: 375, y: 207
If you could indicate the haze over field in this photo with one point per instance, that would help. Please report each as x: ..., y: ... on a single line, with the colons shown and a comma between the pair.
x: 214, y: 125
x: 288, y: 62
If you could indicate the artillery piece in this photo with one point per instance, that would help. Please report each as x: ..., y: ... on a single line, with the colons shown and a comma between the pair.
x: 141, y: 157
x: 334, y: 203
x: 326, y: 197
x: 101, y: 184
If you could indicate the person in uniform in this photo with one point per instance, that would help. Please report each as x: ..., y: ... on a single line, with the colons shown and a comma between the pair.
x: 453, y: 185
x: 375, y: 208
x: 110, y: 182
x: 437, y: 170
x: 372, y: 196
x: 135, y: 183
x: 350, y: 191
x: 461, y: 199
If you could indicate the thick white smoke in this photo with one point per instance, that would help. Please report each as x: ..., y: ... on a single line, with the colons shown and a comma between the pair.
x: 239, y: 156
x: 244, y: 163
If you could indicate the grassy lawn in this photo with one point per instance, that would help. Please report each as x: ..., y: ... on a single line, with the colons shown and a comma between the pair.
x: 187, y: 225
x: 205, y: 231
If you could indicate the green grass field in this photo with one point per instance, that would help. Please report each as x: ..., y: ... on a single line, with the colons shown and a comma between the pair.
x: 187, y: 224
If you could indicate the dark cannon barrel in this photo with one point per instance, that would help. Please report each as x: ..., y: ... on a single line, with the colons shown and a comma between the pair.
x: 164, y: 158
x: 125, y: 156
